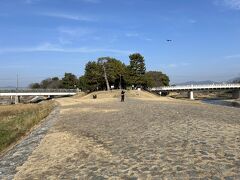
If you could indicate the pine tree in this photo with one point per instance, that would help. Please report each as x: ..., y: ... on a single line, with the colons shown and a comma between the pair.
x: 137, y: 69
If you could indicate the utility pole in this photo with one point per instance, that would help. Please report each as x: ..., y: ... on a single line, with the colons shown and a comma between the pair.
x: 17, y: 82
x: 17, y: 98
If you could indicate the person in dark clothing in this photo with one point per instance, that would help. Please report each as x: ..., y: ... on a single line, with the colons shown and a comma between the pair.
x: 122, y: 96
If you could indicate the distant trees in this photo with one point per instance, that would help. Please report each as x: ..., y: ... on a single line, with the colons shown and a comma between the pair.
x: 69, y: 81
x: 94, y: 77
x: 49, y: 83
x: 236, y: 80
x: 157, y: 78
x: 107, y: 70
x: 35, y: 86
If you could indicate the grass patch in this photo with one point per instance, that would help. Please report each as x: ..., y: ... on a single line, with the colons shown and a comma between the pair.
x: 17, y: 120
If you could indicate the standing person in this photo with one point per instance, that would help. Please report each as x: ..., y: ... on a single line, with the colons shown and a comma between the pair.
x: 122, y: 96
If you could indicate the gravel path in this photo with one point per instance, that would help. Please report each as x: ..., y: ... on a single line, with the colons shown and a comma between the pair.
x: 20, y: 152
x: 138, y: 139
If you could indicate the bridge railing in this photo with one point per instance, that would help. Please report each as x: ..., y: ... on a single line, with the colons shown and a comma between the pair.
x: 204, y: 86
x: 37, y: 90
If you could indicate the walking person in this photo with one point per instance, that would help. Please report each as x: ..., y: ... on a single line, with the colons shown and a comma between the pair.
x: 122, y: 96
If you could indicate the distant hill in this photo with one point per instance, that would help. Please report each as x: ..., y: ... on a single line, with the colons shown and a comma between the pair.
x: 235, y: 80
x: 198, y: 82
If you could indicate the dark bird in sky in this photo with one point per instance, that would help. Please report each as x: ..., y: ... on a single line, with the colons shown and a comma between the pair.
x: 169, y: 40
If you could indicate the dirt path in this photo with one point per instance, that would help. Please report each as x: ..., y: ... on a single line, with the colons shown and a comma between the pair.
x: 138, y: 139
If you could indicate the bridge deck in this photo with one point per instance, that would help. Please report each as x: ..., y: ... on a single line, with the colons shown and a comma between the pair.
x: 197, y: 87
x: 38, y: 92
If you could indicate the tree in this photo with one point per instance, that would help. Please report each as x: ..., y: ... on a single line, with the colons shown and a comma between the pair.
x: 148, y: 81
x: 82, y: 83
x: 158, y: 78
x: 102, y: 61
x: 55, y: 83
x: 35, y: 86
x: 45, y: 83
x: 55, y: 79
x: 49, y: 83
x: 137, y: 69
x: 116, y: 71
x: 69, y: 81
x: 107, y: 71
x: 93, y: 76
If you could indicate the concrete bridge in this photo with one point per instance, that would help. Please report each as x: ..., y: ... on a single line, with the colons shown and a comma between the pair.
x: 208, y: 87
x: 36, y: 92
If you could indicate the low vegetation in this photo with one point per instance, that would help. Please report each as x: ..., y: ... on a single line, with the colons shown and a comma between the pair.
x: 17, y: 120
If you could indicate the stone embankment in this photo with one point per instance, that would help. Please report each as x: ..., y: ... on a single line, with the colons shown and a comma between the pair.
x: 19, y: 153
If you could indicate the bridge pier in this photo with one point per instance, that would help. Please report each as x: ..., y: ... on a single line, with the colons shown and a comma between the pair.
x: 236, y: 94
x: 50, y: 97
x: 11, y: 97
x: 191, y: 96
x: 17, y: 99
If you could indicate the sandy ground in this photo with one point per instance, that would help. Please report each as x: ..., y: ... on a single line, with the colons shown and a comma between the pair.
x: 142, y: 138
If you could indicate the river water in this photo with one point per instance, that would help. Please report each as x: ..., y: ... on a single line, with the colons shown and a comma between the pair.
x: 231, y: 103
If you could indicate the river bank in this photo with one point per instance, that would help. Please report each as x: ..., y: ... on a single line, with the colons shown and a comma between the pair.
x: 17, y: 120
x: 223, y: 102
x: 215, y: 98
x: 7, y: 100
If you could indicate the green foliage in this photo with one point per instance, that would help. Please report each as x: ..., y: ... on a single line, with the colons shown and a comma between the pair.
x: 137, y: 64
x: 69, y: 81
x: 55, y: 79
x: 136, y: 70
x: 148, y: 81
x: 117, y: 73
x: 49, y: 83
x: 35, y: 86
x: 93, y: 78
x: 157, y: 78
x: 93, y: 75
x: 45, y: 83
x: 82, y: 83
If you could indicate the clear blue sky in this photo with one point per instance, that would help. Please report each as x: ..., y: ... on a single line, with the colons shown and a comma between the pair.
x: 45, y: 38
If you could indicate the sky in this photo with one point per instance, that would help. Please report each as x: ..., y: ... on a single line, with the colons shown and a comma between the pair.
x: 46, y: 38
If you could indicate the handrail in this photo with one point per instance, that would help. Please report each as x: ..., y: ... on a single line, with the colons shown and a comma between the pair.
x: 200, y: 85
x: 203, y: 86
x: 37, y: 90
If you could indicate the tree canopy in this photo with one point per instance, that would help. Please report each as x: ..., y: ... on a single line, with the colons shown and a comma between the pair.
x: 49, y: 83
x: 69, y: 81
x: 118, y: 75
x: 158, y: 78
x: 137, y: 70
